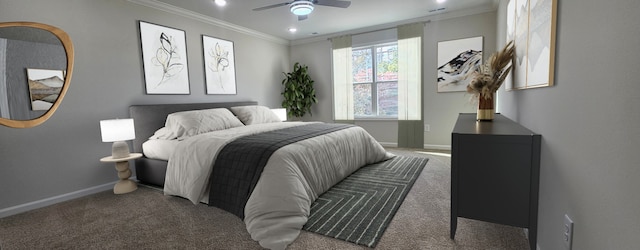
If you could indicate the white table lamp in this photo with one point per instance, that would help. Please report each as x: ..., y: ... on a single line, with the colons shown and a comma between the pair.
x: 281, y: 113
x: 118, y: 131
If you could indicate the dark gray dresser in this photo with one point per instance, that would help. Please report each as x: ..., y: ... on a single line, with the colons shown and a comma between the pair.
x: 495, y: 168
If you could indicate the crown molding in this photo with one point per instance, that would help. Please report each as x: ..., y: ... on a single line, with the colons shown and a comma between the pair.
x: 208, y: 20
x: 425, y: 19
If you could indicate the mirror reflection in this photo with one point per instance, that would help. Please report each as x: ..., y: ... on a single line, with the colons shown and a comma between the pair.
x: 35, y: 66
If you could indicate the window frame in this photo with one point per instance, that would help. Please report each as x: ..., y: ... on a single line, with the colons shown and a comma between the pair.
x: 374, y: 83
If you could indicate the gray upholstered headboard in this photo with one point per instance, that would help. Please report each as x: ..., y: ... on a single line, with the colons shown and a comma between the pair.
x: 149, y: 118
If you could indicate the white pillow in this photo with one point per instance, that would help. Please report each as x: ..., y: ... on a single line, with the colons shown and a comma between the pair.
x: 255, y: 114
x: 189, y: 123
x: 163, y: 133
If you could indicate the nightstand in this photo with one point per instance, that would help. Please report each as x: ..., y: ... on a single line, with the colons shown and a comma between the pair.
x: 122, y: 166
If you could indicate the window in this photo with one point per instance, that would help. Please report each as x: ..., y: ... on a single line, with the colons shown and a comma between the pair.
x: 375, y: 95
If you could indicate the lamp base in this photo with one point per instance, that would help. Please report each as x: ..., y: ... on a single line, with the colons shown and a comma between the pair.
x: 120, y: 149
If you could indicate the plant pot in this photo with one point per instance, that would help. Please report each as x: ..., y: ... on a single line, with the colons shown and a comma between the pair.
x: 486, y: 107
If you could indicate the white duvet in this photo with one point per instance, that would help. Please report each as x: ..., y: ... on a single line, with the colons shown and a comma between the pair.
x: 293, y: 178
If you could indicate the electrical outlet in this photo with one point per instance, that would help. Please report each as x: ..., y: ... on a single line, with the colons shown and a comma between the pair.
x: 427, y: 128
x: 568, y: 232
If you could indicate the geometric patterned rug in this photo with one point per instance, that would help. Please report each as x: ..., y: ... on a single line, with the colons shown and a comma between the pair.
x: 359, y: 208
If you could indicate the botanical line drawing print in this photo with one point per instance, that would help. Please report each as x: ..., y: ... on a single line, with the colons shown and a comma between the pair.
x: 168, y: 58
x: 219, y: 66
x: 164, y: 59
x: 219, y: 62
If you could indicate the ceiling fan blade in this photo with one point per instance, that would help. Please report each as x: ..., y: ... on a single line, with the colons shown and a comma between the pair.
x: 300, y: 18
x: 333, y: 3
x: 271, y: 6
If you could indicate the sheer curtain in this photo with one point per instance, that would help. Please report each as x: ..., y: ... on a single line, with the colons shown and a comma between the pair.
x: 410, y: 123
x: 342, y: 79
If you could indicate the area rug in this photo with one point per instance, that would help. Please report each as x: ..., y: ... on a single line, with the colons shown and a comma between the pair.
x: 359, y: 208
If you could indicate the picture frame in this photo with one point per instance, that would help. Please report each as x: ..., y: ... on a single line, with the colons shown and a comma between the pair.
x: 533, y: 30
x: 44, y: 87
x: 456, y: 58
x: 219, y: 66
x: 164, y: 59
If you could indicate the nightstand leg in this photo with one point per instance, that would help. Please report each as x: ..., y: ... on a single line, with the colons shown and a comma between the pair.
x: 124, y: 185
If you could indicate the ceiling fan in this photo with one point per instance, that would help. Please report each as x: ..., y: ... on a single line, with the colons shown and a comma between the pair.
x: 302, y: 8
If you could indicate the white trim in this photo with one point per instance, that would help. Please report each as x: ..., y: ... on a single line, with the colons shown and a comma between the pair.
x: 207, y: 19
x: 53, y: 200
x: 426, y: 146
x: 426, y: 19
x: 389, y: 144
x: 438, y: 147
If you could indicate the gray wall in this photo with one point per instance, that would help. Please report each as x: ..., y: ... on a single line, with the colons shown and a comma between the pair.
x: 62, y: 155
x: 440, y: 109
x: 589, y: 120
x: 590, y: 126
x: 20, y: 56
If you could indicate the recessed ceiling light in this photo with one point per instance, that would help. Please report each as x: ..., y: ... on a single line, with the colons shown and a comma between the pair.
x: 441, y: 1
x: 293, y: 30
x: 220, y: 2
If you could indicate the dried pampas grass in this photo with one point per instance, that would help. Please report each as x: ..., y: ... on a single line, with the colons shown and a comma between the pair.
x: 488, y: 78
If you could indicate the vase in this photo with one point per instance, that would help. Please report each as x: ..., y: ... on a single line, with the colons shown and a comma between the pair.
x: 486, y: 107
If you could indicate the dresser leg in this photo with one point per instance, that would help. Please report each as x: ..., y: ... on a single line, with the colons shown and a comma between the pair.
x: 454, y: 226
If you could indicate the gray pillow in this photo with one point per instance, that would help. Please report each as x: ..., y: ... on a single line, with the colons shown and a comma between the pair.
x: 255, y: 114
x: 189, y: 123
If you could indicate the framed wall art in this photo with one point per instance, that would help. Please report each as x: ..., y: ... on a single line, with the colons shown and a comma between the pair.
x: 531, y: 24
x: 164, y: 59
x: 456, y: 58
x: 219, y: 65
x: 44, y: 87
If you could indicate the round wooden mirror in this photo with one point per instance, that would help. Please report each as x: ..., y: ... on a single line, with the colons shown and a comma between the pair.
x: 36, y: 64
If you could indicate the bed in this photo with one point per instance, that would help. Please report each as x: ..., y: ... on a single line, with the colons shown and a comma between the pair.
x: 292, y: 175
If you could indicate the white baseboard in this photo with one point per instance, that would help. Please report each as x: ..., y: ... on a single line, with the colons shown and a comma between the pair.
x: 426, y: 146
x: 438, y: 147
x: 53, y: 200
x: 389, y: 144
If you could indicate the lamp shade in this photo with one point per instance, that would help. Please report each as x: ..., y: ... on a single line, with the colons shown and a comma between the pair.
x: 117, y: 130
x: 281, y: 113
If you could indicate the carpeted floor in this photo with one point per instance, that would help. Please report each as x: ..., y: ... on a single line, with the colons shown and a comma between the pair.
x: 148, y: 219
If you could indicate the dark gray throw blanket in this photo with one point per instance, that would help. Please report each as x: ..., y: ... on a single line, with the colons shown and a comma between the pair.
x: 239, y: 164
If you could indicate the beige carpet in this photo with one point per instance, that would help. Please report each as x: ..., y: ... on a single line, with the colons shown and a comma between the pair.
x: 148, y: 219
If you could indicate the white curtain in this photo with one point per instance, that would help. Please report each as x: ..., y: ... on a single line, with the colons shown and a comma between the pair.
x: 410, y: 71
x: 342, y: 78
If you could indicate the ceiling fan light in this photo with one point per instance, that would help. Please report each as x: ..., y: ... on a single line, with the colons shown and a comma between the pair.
x: 301, y: 8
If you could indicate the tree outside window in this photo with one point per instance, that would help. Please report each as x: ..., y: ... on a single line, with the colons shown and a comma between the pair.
x: 375, y: 95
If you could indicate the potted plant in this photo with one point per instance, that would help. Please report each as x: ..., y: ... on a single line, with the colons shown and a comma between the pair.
x: 298, y: 93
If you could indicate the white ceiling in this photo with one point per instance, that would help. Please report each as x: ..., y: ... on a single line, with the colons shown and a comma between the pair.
x: 323, y: 21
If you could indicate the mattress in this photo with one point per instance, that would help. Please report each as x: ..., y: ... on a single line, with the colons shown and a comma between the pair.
x: 159, y: 149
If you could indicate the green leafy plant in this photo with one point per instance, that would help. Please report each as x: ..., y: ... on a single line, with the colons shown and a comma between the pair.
x: 298, y: 93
